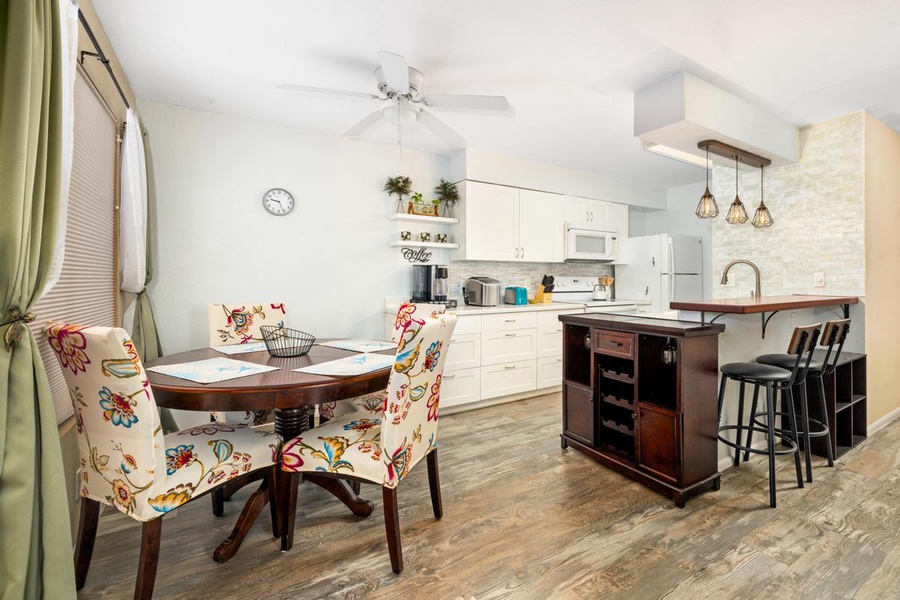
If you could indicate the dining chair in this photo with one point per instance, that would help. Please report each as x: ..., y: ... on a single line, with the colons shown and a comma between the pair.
x: 382, y: 449
x: 126, y: 460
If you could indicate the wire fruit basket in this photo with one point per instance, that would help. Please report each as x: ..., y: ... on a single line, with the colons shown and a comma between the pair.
x: 282, y: 342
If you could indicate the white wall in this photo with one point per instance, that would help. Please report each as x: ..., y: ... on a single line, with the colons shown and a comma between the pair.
x: 329, y: 260
x: 679, y: 218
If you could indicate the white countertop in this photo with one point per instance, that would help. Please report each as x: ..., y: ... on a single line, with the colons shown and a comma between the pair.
x: 463, y: 309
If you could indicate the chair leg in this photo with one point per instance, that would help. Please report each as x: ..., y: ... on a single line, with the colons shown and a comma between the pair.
x: 356, y: 486
x: 392, y: 526
x: 218, y: 502
x: 787, y: 397
x: 804, y: 417
x: 829, y: 451
x: 84, y: 546
x: 740, y: 419
x: 271, y: 478
x: 289, y: 496
x: 770, y: 418
x: 146, y: 576
x: 752, y: 421
x: 434, y: 484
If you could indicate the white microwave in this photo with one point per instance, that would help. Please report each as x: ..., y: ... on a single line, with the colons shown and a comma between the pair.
x: 591, y: 241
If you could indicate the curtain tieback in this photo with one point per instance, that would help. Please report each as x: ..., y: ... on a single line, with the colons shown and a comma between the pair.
x: 19, y: 319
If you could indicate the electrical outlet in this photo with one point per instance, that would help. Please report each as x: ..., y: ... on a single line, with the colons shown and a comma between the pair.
x: 819, y: 279
x: 77, y: 490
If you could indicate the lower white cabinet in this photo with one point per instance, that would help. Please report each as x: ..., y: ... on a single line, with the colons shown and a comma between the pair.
x: 549, y: 372
x: 466, y: 352
x: 506, y: 379
x: 508, y: 346
x: 460, y: 387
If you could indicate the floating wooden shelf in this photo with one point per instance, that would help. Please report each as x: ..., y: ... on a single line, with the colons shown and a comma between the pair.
x: 423, y: 219
x: 412, y: 244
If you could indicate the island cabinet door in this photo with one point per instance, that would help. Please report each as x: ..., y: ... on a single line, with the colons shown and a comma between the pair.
x: 578, y: 413
x: 659, y: 442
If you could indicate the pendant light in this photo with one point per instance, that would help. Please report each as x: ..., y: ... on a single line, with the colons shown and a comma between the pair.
x: 737, y: 213
x: 762, y: 217
x: 707, y: 209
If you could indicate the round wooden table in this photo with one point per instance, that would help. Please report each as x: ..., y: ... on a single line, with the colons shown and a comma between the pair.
x: 289, y: 394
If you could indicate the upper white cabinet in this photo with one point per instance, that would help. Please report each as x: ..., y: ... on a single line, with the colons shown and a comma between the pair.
x: 504, y: 223
x: 599, y: 212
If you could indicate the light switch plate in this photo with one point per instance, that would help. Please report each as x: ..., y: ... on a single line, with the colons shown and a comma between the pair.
x: 819, y: 279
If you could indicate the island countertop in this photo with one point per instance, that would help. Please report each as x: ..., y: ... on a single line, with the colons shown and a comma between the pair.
x: 745, y: 306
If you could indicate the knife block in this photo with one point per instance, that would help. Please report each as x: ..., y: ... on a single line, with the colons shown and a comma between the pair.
x: 542, y: 297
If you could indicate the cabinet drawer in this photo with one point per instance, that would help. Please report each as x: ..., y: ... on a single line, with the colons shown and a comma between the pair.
x: 549, y: 372
x: 614, y: 343
x: 510, y: 378
x: 509, y: 346
x: 509, y: 321
x: 460, y: 387
x: 464, y: 352
x: 467, y: 324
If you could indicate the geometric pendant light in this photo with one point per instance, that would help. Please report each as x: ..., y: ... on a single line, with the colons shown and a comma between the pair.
x: 737, y: 213
x: 762, y: 217
x: 707, y: 209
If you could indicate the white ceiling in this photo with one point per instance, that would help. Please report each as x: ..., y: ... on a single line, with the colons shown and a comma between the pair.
x: 569, y: 68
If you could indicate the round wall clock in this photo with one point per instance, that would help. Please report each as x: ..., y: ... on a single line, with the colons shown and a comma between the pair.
x: 278, y: 202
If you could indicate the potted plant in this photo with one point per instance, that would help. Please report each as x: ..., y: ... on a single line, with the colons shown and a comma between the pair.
x: 400, y: 185
x: 447, y: 194
x: 418, y: 206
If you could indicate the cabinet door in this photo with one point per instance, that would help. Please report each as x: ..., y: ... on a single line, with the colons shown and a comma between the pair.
x: 549, y: 372
x: 460, y: 387
x: 490, y: 221
x: 618, y: 216
x: 541, y: 227
x: 549, y: 342
x: 579, y: 418
x: 575, y: 209
x: 464, y: 352
x: 509, y: 346
x: 659, y: 441
x: 597, y: 211
x: 510, y: 378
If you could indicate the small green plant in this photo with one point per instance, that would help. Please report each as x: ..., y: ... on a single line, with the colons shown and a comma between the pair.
x: 447, y: 194
x: 400, y: 185
x: 417, y: 198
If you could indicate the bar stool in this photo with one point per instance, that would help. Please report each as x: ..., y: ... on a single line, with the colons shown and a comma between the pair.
x: 774, y: 379
x: 834, y: 333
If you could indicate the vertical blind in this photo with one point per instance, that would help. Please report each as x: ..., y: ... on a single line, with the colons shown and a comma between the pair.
x: 86, y: 293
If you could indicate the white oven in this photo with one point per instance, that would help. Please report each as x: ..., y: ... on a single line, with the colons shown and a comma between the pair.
x: 591, y: 241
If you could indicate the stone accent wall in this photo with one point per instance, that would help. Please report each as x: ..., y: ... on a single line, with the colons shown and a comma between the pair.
x: 524, y: 274
x: 818, y: 206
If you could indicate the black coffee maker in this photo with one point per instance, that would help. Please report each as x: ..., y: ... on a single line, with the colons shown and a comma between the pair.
x: 430, y: 283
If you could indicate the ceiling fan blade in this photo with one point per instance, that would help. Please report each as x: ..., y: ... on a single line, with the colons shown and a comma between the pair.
x: 396, y: 71
x: 440, y: 129
x: 318, y: 90
x: 467, y: 101
x: 367, y: 122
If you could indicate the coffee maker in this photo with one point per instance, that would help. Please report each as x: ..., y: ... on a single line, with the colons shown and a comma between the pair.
x: 430, y: 283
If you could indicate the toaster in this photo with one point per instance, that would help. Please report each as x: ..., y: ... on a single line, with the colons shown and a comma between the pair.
x: 515, y: 295
x: 482, y: 291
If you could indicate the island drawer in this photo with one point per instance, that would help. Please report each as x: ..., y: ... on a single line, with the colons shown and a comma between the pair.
x: 614, y: 343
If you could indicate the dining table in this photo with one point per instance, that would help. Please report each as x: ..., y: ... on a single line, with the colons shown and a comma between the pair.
x: 290, y: 395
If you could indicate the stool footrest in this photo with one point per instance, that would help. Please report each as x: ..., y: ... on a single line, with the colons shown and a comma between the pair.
x: 822, y: 432
x: 792, y: 446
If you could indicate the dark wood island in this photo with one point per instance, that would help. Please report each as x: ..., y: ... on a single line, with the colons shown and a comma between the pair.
x: 639, y: 396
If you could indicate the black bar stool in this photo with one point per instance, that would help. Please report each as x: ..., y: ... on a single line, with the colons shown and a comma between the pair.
x: 803, y: 341
x: 834, y: 333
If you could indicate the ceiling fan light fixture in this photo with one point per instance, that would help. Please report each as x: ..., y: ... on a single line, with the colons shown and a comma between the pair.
x: 402, y: 115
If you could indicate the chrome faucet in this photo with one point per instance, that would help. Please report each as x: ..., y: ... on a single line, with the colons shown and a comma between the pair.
x: 746, y: 262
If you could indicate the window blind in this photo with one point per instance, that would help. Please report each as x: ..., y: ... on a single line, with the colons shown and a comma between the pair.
x: 86, y: 293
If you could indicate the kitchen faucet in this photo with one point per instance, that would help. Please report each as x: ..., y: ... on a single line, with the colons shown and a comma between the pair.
x: 746, y: 262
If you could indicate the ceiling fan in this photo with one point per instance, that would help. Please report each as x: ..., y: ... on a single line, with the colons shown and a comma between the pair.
x: 400, y: 91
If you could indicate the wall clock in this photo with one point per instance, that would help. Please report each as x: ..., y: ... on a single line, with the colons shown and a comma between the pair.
x: 278, y: 202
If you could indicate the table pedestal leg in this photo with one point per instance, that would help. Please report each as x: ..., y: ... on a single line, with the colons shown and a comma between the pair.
x: 343, y: 492
x: 252, y: 508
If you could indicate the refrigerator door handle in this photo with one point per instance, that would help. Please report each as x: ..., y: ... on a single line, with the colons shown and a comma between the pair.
x: 672, y: 280
x: 672, y: 268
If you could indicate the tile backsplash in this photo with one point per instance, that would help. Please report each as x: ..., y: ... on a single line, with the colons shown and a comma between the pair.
x: 523, y: 274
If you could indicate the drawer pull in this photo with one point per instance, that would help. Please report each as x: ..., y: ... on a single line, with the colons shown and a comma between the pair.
x: 509, y: 320
x: 616, y: 344
x: 510, y: 335
x: 449, y: 376
x: 558, y: 360
x: 452, y: 340
x: 510, y: 368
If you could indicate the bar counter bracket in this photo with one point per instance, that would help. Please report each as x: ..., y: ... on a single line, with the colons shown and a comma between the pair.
x: 765, y: 319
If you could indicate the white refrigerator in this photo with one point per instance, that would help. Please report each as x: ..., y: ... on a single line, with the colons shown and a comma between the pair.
x: 661, y: 268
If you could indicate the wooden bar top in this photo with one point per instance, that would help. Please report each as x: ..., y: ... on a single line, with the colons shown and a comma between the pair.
x: 745, y: 306
x: 640, y: 324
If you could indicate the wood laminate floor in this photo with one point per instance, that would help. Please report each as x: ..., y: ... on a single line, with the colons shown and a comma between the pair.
x: 525, y: 519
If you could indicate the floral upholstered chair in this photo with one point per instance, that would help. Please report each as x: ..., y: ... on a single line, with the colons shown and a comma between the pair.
x: 126, y: 461
x: 231, y: 324
x: 382, y: 449
x: 410, y: 318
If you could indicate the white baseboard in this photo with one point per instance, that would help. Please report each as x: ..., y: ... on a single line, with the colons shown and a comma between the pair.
x: 450, y: 410
x: 883, y: 421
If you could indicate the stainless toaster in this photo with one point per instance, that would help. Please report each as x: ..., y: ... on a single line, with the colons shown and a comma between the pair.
x: 482, y: 291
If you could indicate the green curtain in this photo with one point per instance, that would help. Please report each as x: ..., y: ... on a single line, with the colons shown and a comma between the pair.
x: 35, y: 543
